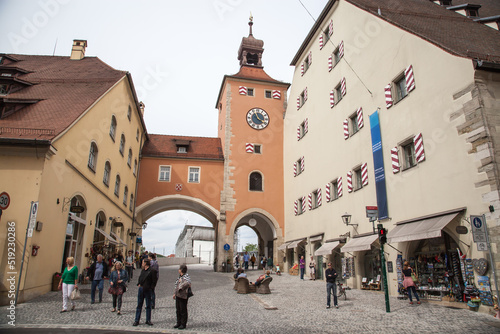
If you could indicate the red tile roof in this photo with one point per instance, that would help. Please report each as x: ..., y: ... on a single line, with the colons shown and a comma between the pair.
x: 165, y: 146
x: 64, y: 89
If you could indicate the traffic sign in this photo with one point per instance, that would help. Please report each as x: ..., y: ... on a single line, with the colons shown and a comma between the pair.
x: 482, y: 246
x: 4, y: 201
x: 478, y: 226
x: 226, y: 247
x: 32, y: 222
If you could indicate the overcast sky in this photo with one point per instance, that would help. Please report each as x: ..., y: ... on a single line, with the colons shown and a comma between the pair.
x: 176, y: 51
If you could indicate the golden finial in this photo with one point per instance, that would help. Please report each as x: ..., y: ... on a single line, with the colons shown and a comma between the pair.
x: 251, y: 17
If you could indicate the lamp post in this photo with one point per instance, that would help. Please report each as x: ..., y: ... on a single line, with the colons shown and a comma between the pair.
x: 346, y: 219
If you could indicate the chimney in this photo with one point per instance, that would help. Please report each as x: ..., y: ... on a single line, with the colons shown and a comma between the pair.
x: 78, y: 50
x: 141, y: 107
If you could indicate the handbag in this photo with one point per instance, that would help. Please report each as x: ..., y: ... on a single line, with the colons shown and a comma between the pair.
x: 414, y: 277
x: 75, y: 294
x: 190, y: 293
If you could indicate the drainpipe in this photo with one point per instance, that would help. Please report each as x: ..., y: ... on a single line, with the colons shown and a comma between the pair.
x: 137, y: 183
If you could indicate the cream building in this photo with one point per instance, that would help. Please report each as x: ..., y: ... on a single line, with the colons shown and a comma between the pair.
x: 428, y: 76
x: 71, y: 131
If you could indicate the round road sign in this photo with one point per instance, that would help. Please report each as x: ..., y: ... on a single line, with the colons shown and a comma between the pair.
x: 4, y: 201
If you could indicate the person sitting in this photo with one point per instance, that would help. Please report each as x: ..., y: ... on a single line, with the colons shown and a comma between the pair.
x: 240, y: 273
x: 262, y: 277
x: 278, y: 271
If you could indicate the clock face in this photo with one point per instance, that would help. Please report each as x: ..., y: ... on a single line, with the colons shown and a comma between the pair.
x: 257, y: 118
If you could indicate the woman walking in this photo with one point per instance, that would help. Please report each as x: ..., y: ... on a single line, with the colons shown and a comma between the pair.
x: 68, y: 282
x: 312, y: 269
x: 117, y: 285
x: 408, y: 282
x: 182, y: 284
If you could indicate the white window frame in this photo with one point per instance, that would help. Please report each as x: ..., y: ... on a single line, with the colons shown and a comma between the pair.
x: 117, y: 185
x: 122, y: 144
x: 353, y: 119
x: 112, y: 127
x: 196, y: 175
x: 250, y: 91
x: 357, y: 178
x: 169, y: 173
x: 107, y: 173
x: 408, y: 152
x: 338, y: 93
x: 125, y: 195
x: 400, y: 89
x: 268, y: 92
x: 334, y: 190
x: 257, y: 147
x: 93, y: 153
x: 314, y: 199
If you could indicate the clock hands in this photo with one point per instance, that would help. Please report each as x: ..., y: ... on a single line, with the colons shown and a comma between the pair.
x: 260, y: 119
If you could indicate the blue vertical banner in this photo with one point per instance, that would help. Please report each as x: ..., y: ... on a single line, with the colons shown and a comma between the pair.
x: 378, y: 164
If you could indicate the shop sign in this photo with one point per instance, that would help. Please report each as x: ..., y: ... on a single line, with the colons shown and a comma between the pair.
x: 462, y: 229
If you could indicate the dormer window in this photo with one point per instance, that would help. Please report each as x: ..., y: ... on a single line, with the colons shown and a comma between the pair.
x: 181, y: 149
x: 472, y: 12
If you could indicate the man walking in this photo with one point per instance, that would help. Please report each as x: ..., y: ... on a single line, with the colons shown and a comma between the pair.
x: 96, y: 273
x: 147, y: 282
x: 246, y: 258
x: 129, y: 265
x: 331, y: 276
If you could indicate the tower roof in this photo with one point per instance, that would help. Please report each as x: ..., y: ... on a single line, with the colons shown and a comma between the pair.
x: 251, y: 49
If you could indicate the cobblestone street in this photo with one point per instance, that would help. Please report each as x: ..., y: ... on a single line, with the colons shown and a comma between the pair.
x: 300, y: 307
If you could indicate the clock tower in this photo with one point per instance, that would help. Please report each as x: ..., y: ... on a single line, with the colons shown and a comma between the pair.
x: 251, y: 108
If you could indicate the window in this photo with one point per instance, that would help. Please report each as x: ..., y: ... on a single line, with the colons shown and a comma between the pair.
x: 181, y: 149
x: 107, y: 173
x: 300, y: 205
x: 122, y: 144
x: 326, y: 34
x: 135, y: 166
x: 131, y: 206
x: 125, y: 196
x: 129, y: 113
x: 316, y: 198
x: 250, y: 91
x: 129, y: 159
x: 338, y: 92
x: 268, y: 94
x: 303, y: 97
x: 137, y: 135
x: 92, y: 156
x: 112, y: 128
x: 117, y: 186
x: 306, y: 64
x: 194, y: 175
x: 401, y: 91
x: 409, y: 155
x: 334, y: 193
x: 255, y: 181
x: 257, y: 148
x: 472, y: 12
x: 336, y: 56
x: 358, y: 180
x: 354, y: 123
x: 299, y: 166
x: 302, y: 130
x: 164, y: 173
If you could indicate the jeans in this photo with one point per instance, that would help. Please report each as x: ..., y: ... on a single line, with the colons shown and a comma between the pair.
x: 302, y: 273
x: 410, y: 289
x: 246, y: 265
x: 117, y: 299
x: 181, y: 307
x: 130, y: 272
x: 100, y: 284
x: 331, y: 288
x: 67, y: 289
x: 141, y: 295
x: 153, y: 298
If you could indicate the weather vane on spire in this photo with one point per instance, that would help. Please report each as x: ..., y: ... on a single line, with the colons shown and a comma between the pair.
x: 251, y: 17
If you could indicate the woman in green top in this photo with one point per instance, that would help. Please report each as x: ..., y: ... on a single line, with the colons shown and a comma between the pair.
x: 68, y: 283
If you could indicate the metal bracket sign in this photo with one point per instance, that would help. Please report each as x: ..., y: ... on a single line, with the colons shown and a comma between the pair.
x: 478, y: 226
x: 32, y: 222
x: 372, y: 213
x: 482, y: 246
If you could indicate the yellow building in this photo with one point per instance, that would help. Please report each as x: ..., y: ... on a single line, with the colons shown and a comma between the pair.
x: 71, y: 130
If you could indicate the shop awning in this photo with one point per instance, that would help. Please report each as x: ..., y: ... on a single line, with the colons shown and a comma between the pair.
x: 284, y: 245
x: 327, y: 248
x: 107, y: 236
x: 295, y: 243
x: 315, y: 238
x: 420, y: 229
x: 359, y: 244
x: 77, y: 219
x: 118, y: 239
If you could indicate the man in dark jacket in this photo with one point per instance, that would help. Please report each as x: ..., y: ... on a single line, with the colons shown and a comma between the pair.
x: 331, y: 276
x: 96, y: 273
x: 146, y: 283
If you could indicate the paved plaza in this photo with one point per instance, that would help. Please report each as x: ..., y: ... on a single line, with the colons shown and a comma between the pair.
x: 294, y: 306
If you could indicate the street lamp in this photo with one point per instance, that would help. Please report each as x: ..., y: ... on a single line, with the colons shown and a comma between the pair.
x: 252, y: 222
x: 346, y: 218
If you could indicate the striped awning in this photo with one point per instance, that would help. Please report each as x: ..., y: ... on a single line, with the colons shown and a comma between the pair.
x: 420, y: 229
x: 359, y: 244
x: 77, y: 219
x: 327, y: 248
x: 107, y: 236
x: 118, y: 239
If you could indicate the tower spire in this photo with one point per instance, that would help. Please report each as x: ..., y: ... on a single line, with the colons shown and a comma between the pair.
x: 250, y: 23
x: 251, y: 49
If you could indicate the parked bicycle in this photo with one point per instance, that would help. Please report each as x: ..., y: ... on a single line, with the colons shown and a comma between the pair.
x: 341, y: 290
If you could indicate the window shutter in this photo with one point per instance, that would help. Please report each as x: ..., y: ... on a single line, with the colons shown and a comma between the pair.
x: 339, y: 187
x: 302, y: 69
x: 249, y: 148
x: 364, y: 174
x: 243, y: 90
x: 410, y: 80
x: 318, y: 197
x: 388, y: 96
x: 346, y: 129
x: 310, y: 58
x: 343, y: 87
x: 332, y: 99
x: 395, y: 160
x: 303, y: 204
x: 298, y: 133
x: 327, y: 192
x: 330, y: 28
x: 296, y: 207
x: 419, y: 147
x: 349, y: 181
x: 341, y: 49
x: 309, y: 201
x: 305, y: 94
x: 302, y: 164
x: 330, y: 65
x: 295, y: 168
x: 321, y: 41
x: 306, y: 125
x: 359, y: 113
x: 276, y: 94
x: 298, y: 103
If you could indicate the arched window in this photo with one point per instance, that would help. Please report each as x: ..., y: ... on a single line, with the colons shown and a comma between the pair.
x: 125, y: 196
x: 129, y: 113
x: 122, y: 144
x: 93, y: 156
x: 107, y: 173
x: 131, y: 206
x: 129, y: 160
x: 135, y: 166
x: 112, y: 128
x: 117, y: 185
x: 255, y: 181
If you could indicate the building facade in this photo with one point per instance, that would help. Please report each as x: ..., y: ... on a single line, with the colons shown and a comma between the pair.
x: 71, y: 130
x: 395, y: 115
x: 196, y: 241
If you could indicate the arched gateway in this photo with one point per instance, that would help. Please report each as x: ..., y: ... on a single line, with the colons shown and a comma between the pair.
x: 235, y: 179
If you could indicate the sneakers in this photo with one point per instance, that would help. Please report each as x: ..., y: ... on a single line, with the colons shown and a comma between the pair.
x: 418, y: 302
x: 327, y: 306
x: 336, y: 306
x: 411, y: 303
x: 135, y: 323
